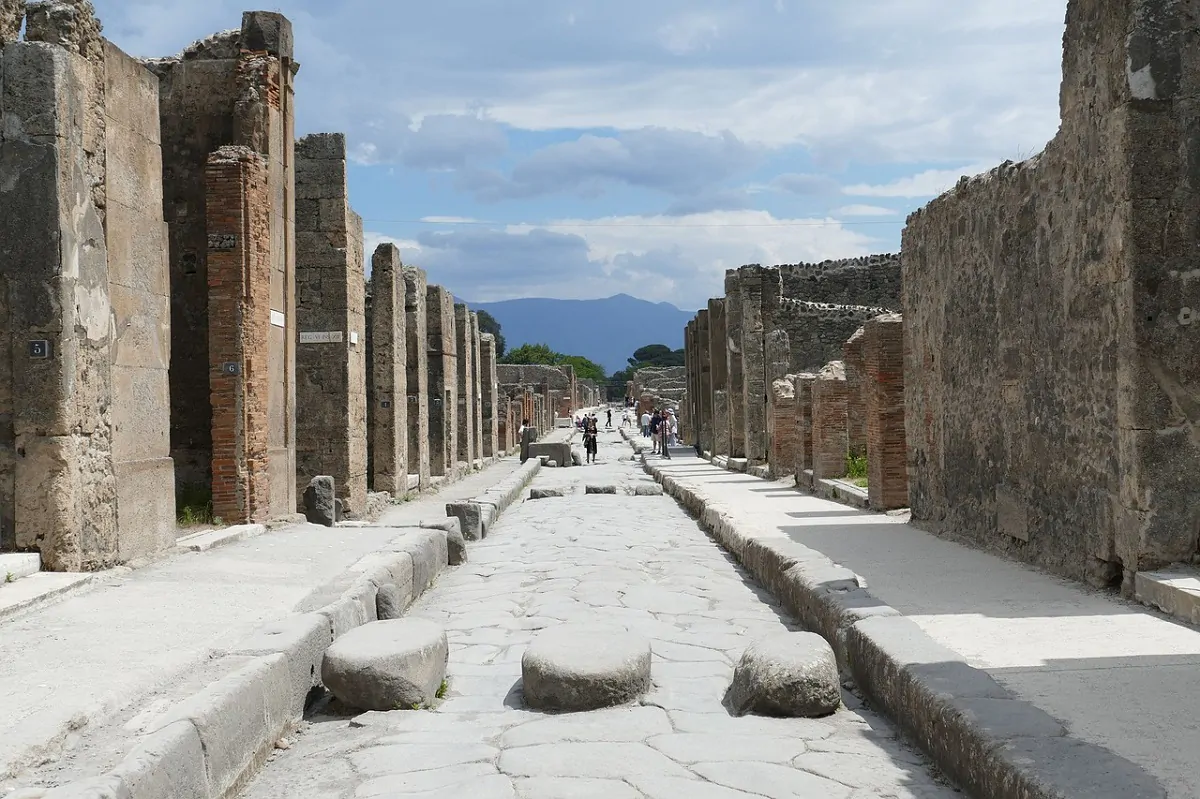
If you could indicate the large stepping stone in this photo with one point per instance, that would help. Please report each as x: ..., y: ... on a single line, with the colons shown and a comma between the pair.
x: 581, y: 667
x: 387, y: 665
x: 790, y: 675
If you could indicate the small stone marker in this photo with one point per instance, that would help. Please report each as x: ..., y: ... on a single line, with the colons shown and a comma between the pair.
x: 600, y: 490
x: 582, y: 667
x: 320, y: 506
x: 648, y: 490
x: 790, y: 675
x: 545, y: 493
x: 387, y: 665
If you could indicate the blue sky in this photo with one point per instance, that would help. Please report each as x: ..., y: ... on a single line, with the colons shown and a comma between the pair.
x: 581, y: 148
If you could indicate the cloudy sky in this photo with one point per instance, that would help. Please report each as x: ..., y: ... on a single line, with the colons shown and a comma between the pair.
x: 580, y: 148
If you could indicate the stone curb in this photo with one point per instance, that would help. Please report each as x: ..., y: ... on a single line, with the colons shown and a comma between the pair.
x: 477, y: 515
x: 992, y: 744
x: 220, y: 536
x: 209, y: 745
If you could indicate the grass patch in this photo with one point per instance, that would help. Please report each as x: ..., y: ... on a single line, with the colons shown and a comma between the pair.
x: 856, y: 470
x: 861, y: 482
x: 193, y: 505
x: 442, y: 689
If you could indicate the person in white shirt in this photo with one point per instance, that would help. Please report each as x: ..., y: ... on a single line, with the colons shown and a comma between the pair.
x: 646, y: 425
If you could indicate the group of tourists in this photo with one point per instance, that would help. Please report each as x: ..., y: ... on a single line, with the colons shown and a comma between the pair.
x: 662, y: 427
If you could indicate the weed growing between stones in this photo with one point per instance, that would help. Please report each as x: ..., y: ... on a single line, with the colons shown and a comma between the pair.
x: 856, y: 470
x: 193, y: 505
x: 441, y: 691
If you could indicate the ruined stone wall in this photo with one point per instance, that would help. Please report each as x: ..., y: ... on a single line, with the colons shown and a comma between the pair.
x: 234, y: 88
x: 1050, y: 311
x: 828, y: 422
x: 803, y: 383
x: 817, y: 332
x: 782, y: 428
x: 477, y: 392
x: 387, y: 395
x: 886, y: 445
x: 331, y: 370
x: 559, y: 377
x: 492, y: 415
x: 874, y: 280
x: 85, y: 473
x: 464, y: 344
x: 737, y: 379
x: 718, y: 407
x: 854, y: 356
x: 416, y: 340
x: 443, y: 382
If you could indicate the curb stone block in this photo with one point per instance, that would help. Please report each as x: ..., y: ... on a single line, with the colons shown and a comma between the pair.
x: 344, y: 615
x: 469, y: 516
x: 239, y: 719
x: 429, y: 555
x: 169, y: 762
x: 302, y: 639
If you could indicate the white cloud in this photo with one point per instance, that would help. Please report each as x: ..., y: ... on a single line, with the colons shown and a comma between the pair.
x: 929, y: 183
x: 689, y: 33
x: 864, y: 210
x: 449, y: 220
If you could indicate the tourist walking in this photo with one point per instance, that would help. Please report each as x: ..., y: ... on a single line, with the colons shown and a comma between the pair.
x: 656, y: 423
x: 608, y: 423
x: 664, y: 435
x: 646, y: 424
x: 590, y: 436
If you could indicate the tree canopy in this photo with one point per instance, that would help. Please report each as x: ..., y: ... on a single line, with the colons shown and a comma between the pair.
x: 488, y: 324
x: 585, y: 369
x: 651, y: 355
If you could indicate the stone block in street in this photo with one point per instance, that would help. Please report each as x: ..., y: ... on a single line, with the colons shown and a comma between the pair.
x: 387, y: 665
x: 791, y: 674
x: 581, y: 667
x: 320, y: 505
x: 545, y: 493
x: 600, y: 490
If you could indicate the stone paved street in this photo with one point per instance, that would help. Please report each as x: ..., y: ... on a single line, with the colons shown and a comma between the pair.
x: 634, y: 561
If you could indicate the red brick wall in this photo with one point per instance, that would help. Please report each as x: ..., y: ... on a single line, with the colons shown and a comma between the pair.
x: 782, y: 430
x: 804, y: 458
x: 829, y: 439
x: 854, y: 354
x: 887, y: 447
x: 239, y: 294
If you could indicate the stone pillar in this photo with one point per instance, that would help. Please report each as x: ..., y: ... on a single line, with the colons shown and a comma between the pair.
x: 389, y: 370
x: 783, y: 431
x: 854, y: 356
x: 416, y: 337
x: 331, y: 366
x: 703, y: 400
x: 443, y: 383
x: 239, y: 281
x: 492, y: 412
x: 737, y: 379
x: 830, y: 440
x: 465, y: 375
x: 804, y: 428
x: 718, y: 407
x: 887, y: 450
x: 477, y: 394
x: 754, y: 367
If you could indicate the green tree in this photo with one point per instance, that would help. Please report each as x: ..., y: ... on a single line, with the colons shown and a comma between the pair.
x: 488, y: 324
x: 532, y: 353
x: 584, y: 369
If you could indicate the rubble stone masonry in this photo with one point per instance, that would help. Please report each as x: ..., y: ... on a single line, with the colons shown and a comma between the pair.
x: 388, y: 396
x: 464, y: 345
x: 736, y: 396
x: 443, y: 382
x: 416, y: 335
x: 719, y: 355
x: 492, y: 407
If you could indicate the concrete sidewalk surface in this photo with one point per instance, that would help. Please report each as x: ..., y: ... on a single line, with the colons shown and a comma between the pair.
x: 1115, y: 674
x: 136, y: 640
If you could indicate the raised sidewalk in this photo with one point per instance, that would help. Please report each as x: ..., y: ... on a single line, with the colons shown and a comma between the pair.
x: 135, y: 641
x: 1108, y: 674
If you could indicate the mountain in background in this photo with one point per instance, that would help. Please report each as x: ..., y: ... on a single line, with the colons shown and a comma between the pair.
x: 606, y: 331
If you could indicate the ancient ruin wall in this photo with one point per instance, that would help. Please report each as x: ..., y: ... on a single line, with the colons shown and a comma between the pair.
x: 817, y: 332
x: 443, y: 382
x: 558, y: 377
x: 464, y: 343
x: 492, y: 414
x: 387, y: 394
x: 416, y: 337
x: 1051, y: 323
x: 874, y: 280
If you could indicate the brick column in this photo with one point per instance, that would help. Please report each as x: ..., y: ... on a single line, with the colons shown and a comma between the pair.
x: 737, y: 379
x: 784, y: 434
x: 804, y: 429
x: 465, y: 376
x: 239, y: 303
x: 887, y: 449
x: 331, y: 368
x: 492, y: 410
x: 829, y: 437
x: 718, y: 406
x: 854, y: 355
x: 389, y: 400
x: 443, y: 383
x: 416, y: 367
x: 477, y: 393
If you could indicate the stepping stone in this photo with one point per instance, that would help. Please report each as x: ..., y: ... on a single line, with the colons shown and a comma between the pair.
x: 647, y: 490
x: 582, y: 667
x: 600, y: 490
x: 793, y: 675
x: 545, y: 493
x: 387, y: 665
x: 320, y: 505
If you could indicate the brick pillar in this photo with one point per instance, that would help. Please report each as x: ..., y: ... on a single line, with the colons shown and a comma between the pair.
x: 331, y: 367
x: 416, y: 337
x: 718, y: 407
x: 804, y: 430
x: 443, y: 383
x: 465, y: 452
x: 389, y: 400
x: 830, y: 442
x: 477, y: 382
x: 854, y: 355
x: 239, y: 303
x: 784, y: 434
x: 737, y: 379
x: 490, y: 401
x: 887, y: 449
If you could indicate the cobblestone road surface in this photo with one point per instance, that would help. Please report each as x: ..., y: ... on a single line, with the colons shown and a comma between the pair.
x: 640, y: 562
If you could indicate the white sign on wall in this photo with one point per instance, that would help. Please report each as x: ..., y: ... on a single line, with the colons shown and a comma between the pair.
x: 331, y: 337
x: 278, y: 319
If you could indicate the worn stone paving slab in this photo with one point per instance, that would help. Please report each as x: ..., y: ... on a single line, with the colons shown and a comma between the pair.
x: 637, y: 562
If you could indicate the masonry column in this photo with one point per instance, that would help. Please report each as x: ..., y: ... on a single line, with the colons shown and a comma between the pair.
x: 331, y: 370
x: 854, y: 356
x: 466, y: 386
x: 477, y: 393
x: 704, y: 389
x: 443, y: 383
x: 492, y: 413
x: 737, y: 380
x: 719, y: 352
x: 416, y: 337
x: 781, y: 424
x: 754, y: 367
x: 829, y: 437
x: 239, y: 283
x: 887, y: 450
x: 389, y: 414
x: 804, y: 427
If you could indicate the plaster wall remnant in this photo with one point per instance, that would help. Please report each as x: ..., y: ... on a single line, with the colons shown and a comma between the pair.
x: 1052, y: 406
x: 718, y: 407
x: 388, y: 396
x: 416, y: 337
x: 465, y: 375
x: 883, y: 386
x: 737, y: 380
x: 331, y: 368
x: 492, y: 413
x: 86, y: 477
x: 234, y: 88
x: 830, y: 442
x: 874, y: 280
x: 854, y: 356
x: 443, y: 383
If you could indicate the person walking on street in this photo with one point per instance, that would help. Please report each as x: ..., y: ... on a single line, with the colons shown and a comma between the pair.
x: 646, y: 424
x: 608, y: 421
x: 665, y: 435
x: 655, y: 426
x: 590, y: 435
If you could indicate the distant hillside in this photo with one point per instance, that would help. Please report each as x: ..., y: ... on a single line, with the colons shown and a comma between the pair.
x: 606, y: 331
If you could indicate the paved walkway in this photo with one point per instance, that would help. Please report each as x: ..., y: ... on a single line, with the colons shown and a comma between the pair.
x: 635, y: 561
x: 71, y: 670
x: 1116, y: 673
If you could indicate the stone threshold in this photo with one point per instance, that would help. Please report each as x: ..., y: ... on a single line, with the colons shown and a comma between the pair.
x: 1174, y: 590
x: 35, y: 590
x: 205, y: 540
